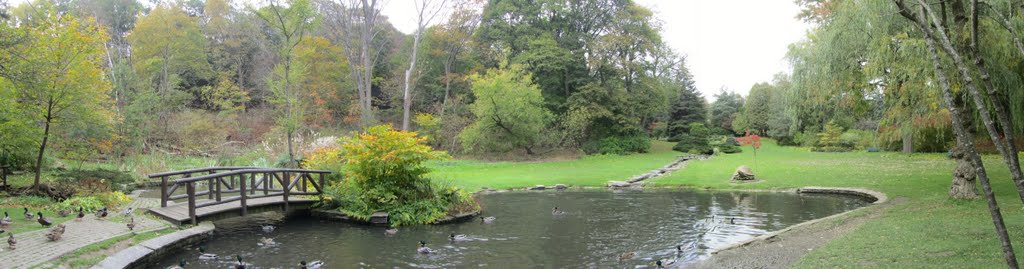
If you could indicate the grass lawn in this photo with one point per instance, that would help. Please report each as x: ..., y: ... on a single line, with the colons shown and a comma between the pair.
x: 13, y: 206
x: 923, y: 229
x: 588, y: 171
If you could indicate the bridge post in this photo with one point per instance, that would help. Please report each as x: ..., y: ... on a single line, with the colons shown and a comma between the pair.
x: 163, y: 191
x: 266, y: 183
x: 216, y: 185
x: 252, y: 183
x: 209, y: 186
x: 191, y: 189
x: 241, y: 180
x: 302, y: 177
x: 287, y: 184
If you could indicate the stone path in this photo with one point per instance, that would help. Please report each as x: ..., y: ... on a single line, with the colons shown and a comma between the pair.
x: 34, y: 250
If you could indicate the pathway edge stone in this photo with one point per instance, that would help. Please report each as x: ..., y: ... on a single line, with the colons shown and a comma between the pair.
x: 139, y: 255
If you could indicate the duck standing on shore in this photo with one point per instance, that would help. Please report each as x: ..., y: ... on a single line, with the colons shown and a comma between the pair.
x: 102, y: 213
x: 56, y: 233
x: 28, y: 216
x: 12, y: 242
x: 6, y: 221
x: 81, y: 214
x: 131, y: 225
x: 43, y: 221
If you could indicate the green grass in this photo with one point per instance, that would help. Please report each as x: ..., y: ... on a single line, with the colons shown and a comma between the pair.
x: 923, y: 229
x: 14, y: 205
x: 587, y: 171
x: 927, y: 230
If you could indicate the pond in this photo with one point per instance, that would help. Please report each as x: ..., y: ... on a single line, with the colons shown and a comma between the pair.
x: 598, y: 229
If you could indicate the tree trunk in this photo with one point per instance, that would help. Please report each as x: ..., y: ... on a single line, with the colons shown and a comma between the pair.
x: 908, y: 142
x: 964, y: 185
x: 964, y: 175
x: 958, y: 126
x: 447, y: 84
x: 1008, y: 149
x: 42, y: 146
x: 407, y: 98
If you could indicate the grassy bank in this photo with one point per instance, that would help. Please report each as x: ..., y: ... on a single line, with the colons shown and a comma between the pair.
x: 923, y: 229
x: 587, y: 171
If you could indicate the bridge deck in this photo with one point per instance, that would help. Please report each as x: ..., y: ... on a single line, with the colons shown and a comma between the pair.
x: 179, y: 211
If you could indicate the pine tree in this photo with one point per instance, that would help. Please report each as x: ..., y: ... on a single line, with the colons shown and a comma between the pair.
x: 688, y: 108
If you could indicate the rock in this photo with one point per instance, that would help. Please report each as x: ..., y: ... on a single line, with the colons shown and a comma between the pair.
x: 379, y: 218
x: 619, y: 184
x: 561, y: 186
x: 537, y: 188
x: 743, y: 173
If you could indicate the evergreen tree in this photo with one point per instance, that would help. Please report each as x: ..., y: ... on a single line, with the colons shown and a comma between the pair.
x: 688, y: 108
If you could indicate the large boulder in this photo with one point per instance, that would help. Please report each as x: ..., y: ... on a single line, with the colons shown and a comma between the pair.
x: 743, y: 173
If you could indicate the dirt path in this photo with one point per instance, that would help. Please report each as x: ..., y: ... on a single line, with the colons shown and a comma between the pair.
x: 785, y: 249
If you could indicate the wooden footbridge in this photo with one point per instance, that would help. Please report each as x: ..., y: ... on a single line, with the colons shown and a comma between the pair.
x: 234, y: 189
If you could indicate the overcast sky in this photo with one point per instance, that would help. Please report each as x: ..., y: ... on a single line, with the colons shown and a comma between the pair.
x: 731, y: 43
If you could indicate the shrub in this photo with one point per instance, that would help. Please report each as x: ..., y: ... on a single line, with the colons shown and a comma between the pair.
x: 694, y: 145
x: 96, y: 181
x: 620, y: 145
x: 696, y: 141
x: 384, y: 171
x: 88, y: 203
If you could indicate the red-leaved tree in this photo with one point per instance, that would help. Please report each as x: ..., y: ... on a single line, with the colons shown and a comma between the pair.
x: 752, y: 140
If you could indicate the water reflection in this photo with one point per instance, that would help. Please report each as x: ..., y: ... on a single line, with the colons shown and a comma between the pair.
x: 597, y: 229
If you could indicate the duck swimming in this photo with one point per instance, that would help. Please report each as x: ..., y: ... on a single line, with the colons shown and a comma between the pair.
x: 239, y: 264
x: 423, y: 249
x: 181, y: 265
x: 458, y: 237
x: 556, y: 212
x: 660, y: 264
x: 206, y: 256
x: 266, y: 242
x: 311, y: 265
x: 487, y: 220
x: 392, y: 231
x: 626, y: 256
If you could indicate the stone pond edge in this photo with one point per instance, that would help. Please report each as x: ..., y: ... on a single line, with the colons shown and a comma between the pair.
x: 143, y: 254
x: 878, y: 197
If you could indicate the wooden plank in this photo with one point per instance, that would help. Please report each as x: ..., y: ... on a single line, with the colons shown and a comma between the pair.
x: 180, y: 212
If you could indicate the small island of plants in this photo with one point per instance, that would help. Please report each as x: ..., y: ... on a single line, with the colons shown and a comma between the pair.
x: 382, y: 170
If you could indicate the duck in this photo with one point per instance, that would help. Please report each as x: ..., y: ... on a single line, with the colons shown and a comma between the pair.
x: 268, y: 228
x: 56, y: 233
x: 28, y: 216
x: 391, y: 231
x: 556, y: 212
x: 131, y: 225
x: 181, y: 265
x: 128, y: 212
x: 239, y: 264
x: 6, y: 221
x: 423, y: 249
x: 626, y: 256
x: 660, y: 264
x: 487, y: 220
x: 12, y: 242
x: 732, y: 221
x: 43, y: 221
x: 458, y: 237
x: 311, y: 265
x: 81, y: 214
x: 102, y: 213
x: 63, y: 213
x: 206, y: 256
x: 266, y: 242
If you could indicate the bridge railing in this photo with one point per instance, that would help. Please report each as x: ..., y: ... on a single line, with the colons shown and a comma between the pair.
x: 247, y: 182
